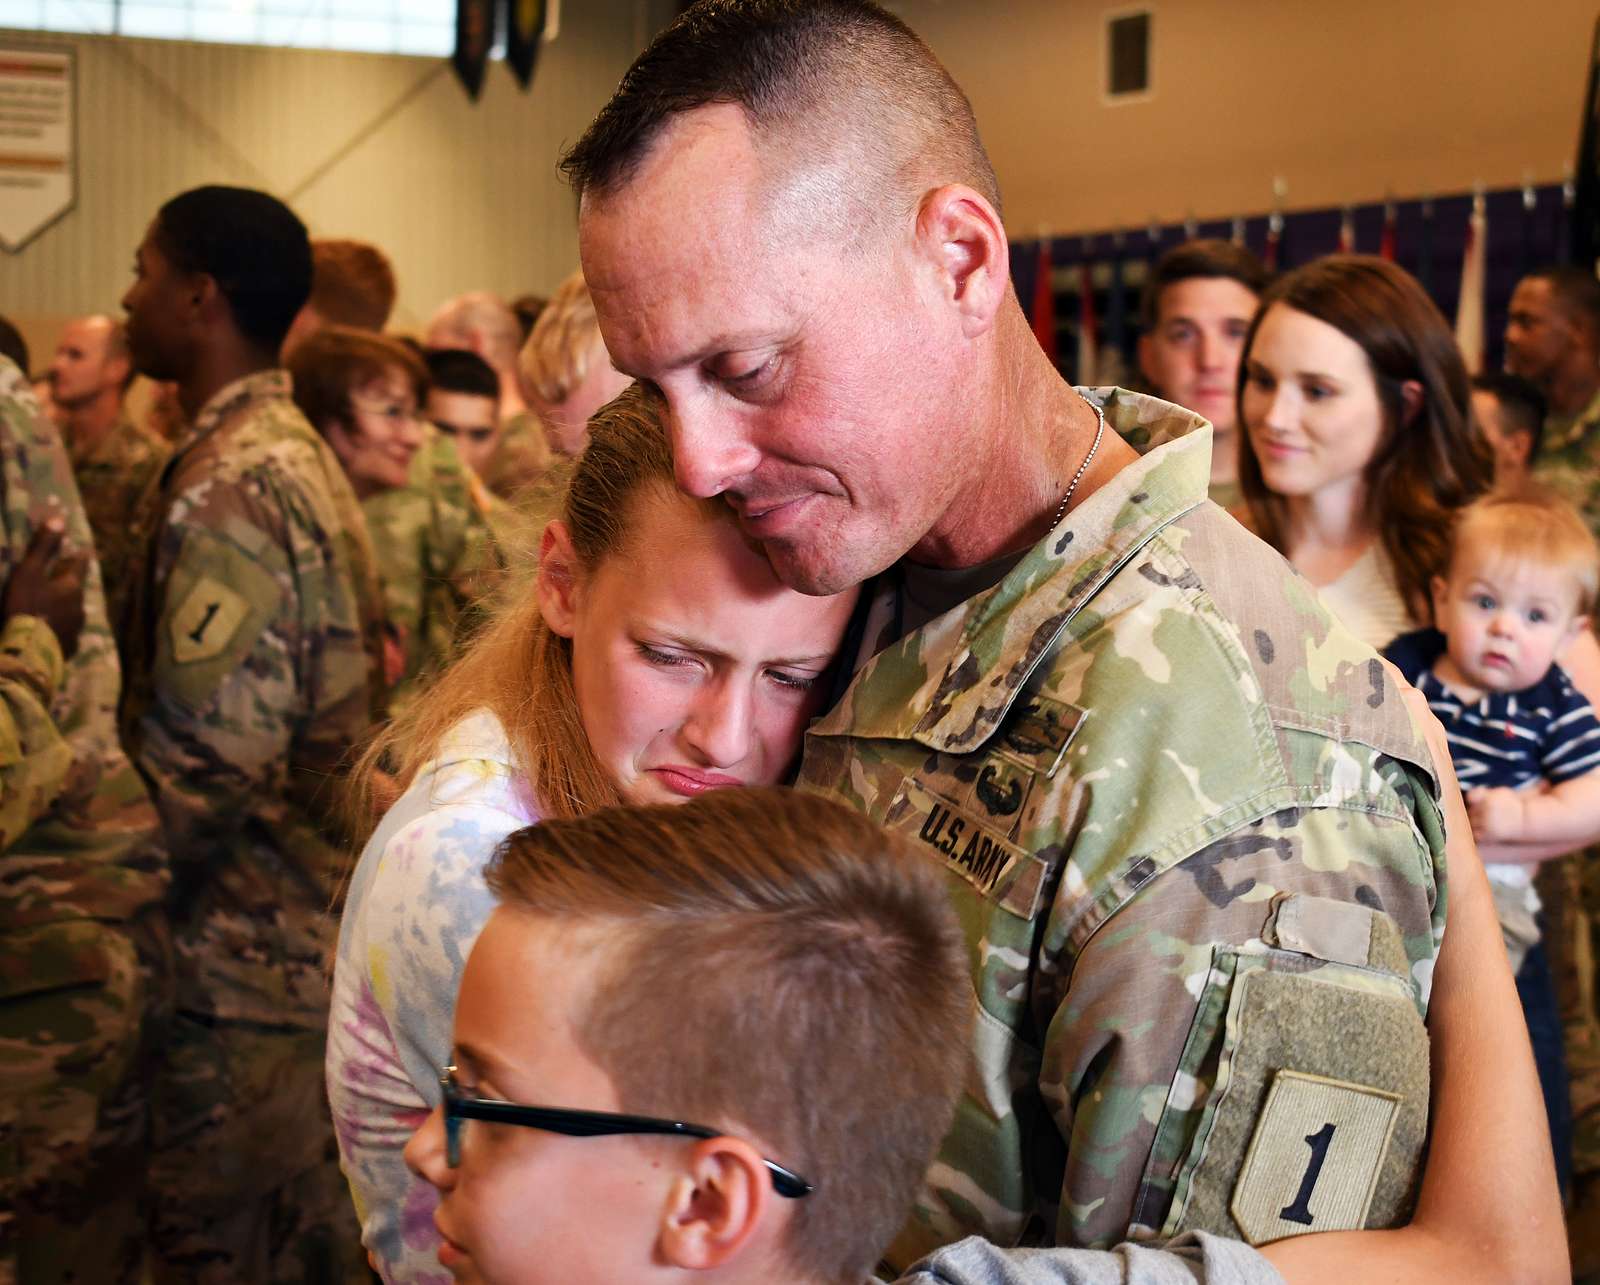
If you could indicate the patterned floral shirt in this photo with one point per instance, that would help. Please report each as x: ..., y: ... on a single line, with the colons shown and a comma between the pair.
x: 416, y: 904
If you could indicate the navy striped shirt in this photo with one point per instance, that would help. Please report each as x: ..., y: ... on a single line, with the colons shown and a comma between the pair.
x: 1545, y: 731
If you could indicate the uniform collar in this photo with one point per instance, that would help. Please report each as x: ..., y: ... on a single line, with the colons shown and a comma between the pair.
x: 1560, y: 434
x: 969, y: 664
x: 228, y: 401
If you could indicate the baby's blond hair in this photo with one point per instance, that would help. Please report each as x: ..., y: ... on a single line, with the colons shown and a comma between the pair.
x: 1531, y: 524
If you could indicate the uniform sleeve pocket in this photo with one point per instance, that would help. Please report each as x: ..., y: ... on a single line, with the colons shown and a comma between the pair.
x: 1317, y: 1061
x: 53, y: 957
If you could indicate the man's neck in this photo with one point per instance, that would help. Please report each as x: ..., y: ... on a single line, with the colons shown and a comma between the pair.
x: 214, y: 371
x: 90, y: 422
x: 1224, y: 456
x: 1035, y: 434
x: 1573, y: 389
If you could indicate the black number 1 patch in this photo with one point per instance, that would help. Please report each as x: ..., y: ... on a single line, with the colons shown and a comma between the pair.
x: 1281, y: 1191
x: 1300, y: 1210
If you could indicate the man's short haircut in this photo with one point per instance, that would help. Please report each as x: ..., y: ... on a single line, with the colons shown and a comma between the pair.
x: 14, y: 346
x: 251, y: 245
x: 556, y: 357
x: 1576, y: 292
x: 1521, y: 403
x: 829, y: 82
x: 336, y: 361
x: 459, y: 370
x: 775, y: 963
x: 1201, y: 258
x: 1531, y: 524
x: 352, y: 284
x: 485, y: 317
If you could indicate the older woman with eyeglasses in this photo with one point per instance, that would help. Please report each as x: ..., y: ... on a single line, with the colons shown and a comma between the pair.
x: 436, y: 532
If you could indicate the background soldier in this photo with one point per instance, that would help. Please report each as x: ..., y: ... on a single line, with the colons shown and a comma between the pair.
x: 83, y: 965
x: 256, y: 669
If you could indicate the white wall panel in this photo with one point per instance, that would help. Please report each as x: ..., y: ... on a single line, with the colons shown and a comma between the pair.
x: 384, y: 148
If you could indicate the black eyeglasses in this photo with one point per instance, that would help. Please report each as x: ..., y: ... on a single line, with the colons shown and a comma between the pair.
x: 578, y: 1124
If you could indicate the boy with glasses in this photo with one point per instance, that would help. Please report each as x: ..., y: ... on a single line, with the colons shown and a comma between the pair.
x: 725, y: 1038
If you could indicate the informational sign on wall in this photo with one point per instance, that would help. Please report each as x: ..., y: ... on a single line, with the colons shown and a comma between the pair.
x: 38, y: 142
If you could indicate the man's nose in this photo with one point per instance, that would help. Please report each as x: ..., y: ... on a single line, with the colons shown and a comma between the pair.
x: 718, y: 726
x: 425, y: 1152
x: 709, y: 452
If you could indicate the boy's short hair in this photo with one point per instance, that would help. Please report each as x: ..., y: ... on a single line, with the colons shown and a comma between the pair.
x: 352, y: 284
x: 1520, y: 401
x: 460, y: 370
x: 333, y: 363
x: 778, y: 963
x: 1200, y: 258
x: 1533, y: 524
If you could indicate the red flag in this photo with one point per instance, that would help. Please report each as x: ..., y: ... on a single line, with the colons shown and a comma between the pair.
x: 1469, y: 307
x: 1386, y: 247
x: 1274, y: 241
x: 1088, y: 328
x: 1044, y: 303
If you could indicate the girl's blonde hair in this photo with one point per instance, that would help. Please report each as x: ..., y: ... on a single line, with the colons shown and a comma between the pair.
x: 520, y: 670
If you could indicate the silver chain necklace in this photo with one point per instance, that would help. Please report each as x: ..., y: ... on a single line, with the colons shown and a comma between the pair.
x: 1099, y: 432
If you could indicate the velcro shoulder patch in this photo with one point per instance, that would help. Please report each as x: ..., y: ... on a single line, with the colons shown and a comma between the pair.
x: 206, y: 621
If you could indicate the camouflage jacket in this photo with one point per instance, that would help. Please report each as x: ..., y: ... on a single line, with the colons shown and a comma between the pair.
x: 1194, y: 840
x: 520, y: 456
x: 436, y: 541
x: 113, y: 476
x: 1569, y: 460
x: 256, y: 670
x: 79, y: 835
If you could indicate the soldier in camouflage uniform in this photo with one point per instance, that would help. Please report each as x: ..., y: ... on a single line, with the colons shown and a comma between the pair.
x: 257, y: 670
x: 113, y: 475
x: 83, y: 971
x: 438, y: 543
x: 1193, y: 835
x: 1553, y: 339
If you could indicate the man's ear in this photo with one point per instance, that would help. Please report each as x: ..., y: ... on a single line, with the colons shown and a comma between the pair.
x: 714, y: 1209
x: 966, y: 241
x: 1147, y: 347
x: 558, y: 582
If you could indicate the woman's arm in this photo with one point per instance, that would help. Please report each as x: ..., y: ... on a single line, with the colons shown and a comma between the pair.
x: 1489, y: 1209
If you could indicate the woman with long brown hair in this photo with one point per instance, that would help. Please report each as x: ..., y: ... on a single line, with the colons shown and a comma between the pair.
x: 1359, y: 442
x: 655, y: 657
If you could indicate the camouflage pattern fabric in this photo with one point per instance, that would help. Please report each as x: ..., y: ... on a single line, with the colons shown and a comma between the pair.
x: 82, y: 877
x: 113, y: 476
x: 520, y: 456
x: 437, y: 544
x: 1569, y: 463
x: 257, y: 671
x: 1195, y: 842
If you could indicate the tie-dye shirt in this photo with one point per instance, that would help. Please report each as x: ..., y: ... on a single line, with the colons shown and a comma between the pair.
x: 416, y: 904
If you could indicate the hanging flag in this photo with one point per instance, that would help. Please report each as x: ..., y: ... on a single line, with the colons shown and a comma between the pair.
x: 1044, y: 304
x: 1469, y: 308
x: 1564, y: 219
x: 1347, y: 231
x: 1088, y: 328
x: 474, y: 37
x: 1272, y: 256
x: 1425, y: 247
x: 1584, y: 239
x: 1237, y: 233
x: 1530, y: 221
x: 524, y: 26
x: 1114, y: 360
x: 1386, y: 244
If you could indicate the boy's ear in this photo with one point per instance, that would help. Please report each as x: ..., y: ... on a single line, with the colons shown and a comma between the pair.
x: 714, y: 1208
x: 557, y: 584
